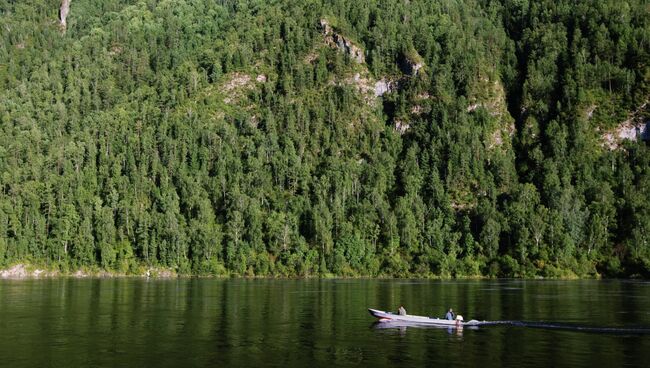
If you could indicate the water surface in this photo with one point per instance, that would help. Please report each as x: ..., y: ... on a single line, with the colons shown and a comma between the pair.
x: 318, y: 323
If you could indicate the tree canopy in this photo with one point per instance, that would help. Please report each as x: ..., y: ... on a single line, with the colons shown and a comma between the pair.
x: 327, y: 137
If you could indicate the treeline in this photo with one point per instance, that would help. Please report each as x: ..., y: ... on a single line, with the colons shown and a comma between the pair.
x: 245, y: 137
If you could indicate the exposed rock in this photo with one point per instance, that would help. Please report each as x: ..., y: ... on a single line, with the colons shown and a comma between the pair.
x: 635, y: 128
x: 401, y: 127
x: 415, y: 67
x: 80, y: 274
x: 626, y: 130
x: 489, y: 95
x: 325, y: 27
x: 349, y: 48
x: 236, y: 85
x: 497, y: 138
x: 261, y: 78
x: 416, y: 109
x: 366, y: 85
x: 342, y: 43
x: 473, y: 107
x: 20, y: 271
x: 410, y: 68
x: 590, y: 111
x: 16, y: 272
x: 645, y: 131
x: 411, y: 63
x: 63, y: 13
x: 237, y: 81
x: 461, y: 206
x: 160, y: 273
x: 383, y: 86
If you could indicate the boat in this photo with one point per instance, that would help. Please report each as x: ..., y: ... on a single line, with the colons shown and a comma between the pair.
x: 408, y: 319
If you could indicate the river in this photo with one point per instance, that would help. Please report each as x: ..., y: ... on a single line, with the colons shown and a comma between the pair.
x: 67, y: 322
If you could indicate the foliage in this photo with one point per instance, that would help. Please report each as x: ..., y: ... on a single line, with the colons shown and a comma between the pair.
x: 218, y: 137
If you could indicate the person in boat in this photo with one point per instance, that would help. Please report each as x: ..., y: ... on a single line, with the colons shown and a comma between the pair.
x: 401, y: 311
x: 450, y: 315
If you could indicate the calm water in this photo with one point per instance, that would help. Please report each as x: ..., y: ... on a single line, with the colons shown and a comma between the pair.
x: 315, y: 323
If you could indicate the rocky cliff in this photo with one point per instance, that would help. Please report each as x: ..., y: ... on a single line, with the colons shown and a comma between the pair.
x: 63, y: 13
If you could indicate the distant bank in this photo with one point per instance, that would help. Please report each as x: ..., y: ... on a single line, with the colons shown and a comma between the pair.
x: 21, y: 271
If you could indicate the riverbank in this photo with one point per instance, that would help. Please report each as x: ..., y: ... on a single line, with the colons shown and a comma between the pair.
x: 28, y: 271
x: 31, y: 271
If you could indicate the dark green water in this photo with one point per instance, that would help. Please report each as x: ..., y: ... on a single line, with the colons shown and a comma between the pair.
x: 316, y: 323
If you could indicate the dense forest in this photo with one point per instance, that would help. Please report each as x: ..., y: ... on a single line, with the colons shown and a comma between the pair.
x: 406, y: 138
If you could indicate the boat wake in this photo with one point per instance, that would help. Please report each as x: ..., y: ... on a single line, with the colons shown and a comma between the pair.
x: 570, y: 327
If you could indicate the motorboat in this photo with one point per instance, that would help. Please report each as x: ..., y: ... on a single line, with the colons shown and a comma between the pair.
x: 408, y: 319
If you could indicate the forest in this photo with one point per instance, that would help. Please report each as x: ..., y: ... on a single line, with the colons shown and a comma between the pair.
x: 372, y: 138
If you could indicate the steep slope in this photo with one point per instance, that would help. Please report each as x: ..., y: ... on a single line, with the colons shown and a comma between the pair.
x: 417, y: 138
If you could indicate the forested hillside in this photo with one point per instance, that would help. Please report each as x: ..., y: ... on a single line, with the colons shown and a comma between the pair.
x: 327, y: 137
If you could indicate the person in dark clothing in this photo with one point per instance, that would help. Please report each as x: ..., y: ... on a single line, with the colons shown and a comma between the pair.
x: 450, y: 315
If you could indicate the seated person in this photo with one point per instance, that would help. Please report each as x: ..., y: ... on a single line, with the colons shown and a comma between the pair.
x: 450, y: 315
x: 401, y: 311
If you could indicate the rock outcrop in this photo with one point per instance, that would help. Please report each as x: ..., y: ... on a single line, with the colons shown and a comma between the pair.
x: 410, y: 67
x: 235, y: 86
x: 354, y: 52
x: 411, y: 63
x: 487, y: 93
x: 401, y: 126
x: 635, y: 128
x: 63, y: 13
x: 383, y: 86
x: 367, y: 86
x: 627, y: 130
x: 325, y: 27
x: 342, y: 43
x: 20, y: 271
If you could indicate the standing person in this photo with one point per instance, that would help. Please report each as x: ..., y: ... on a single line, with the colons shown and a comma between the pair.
x: 401, y: 311
x: 450, y: 315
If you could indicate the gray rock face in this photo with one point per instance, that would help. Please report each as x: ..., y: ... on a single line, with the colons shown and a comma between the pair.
x: 382, y: 86
x: 346, y: 46
x: 636, y: 127
x: 325, y: 27
x: 644, y: 131
x: 63, y: 12
x: 627, y: 130
x: 634, y: 131
x: 334, y: 39
x: 410, y: 67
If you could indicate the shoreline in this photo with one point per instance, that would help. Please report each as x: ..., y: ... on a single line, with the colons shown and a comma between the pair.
x: 23, y: 271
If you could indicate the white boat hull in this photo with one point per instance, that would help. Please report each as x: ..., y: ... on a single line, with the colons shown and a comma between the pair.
x: 383, y: 316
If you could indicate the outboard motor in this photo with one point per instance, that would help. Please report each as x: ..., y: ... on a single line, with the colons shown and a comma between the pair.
x: 459, y: 321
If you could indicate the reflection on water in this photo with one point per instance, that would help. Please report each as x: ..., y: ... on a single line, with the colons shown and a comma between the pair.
x: 317, y: 323
x: 401, y: 328
x: 456, y: 334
